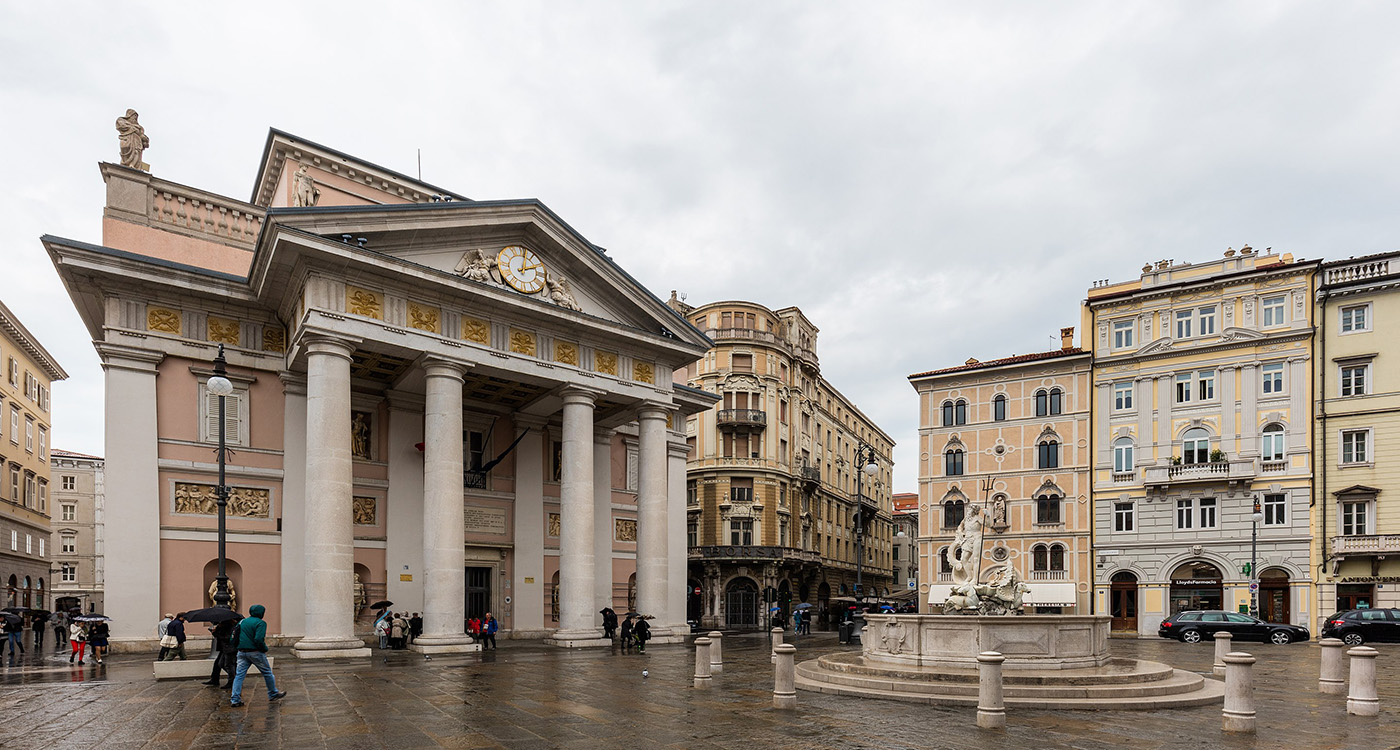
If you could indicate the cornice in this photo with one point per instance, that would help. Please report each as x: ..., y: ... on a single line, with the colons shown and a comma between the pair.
x: 1302, y: 334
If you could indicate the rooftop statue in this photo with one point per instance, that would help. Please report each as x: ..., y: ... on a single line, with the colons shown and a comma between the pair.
x: 304, y: 190
x: 133, y: 141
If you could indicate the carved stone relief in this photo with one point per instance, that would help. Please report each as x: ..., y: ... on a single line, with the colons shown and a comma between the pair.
x: 554, y: 524
x: 163, y: 319
x: 424, y: 318
x: 566, y: 353
x: 625, y: 530
x: 274, y: 339
x: 222, y: 331
x: 364, y: 302
x: 243, y: 502
x: 522, y: 342
x: 476, y: 330
x: 366, y: 511
x: 605, y: 362
x: 642, y: 372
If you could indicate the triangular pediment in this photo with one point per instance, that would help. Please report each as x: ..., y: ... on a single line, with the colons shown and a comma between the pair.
x: 1357, y: 490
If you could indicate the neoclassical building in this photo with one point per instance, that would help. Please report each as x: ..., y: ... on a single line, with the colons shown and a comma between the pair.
x: 79, y: 530
x: 457, y: 405
x: 772, y: 495
x: 1202, y: 380
x: 1011, y: 437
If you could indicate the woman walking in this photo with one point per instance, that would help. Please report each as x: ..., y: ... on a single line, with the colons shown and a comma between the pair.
x: 77, y: 639
x: 97, y: 638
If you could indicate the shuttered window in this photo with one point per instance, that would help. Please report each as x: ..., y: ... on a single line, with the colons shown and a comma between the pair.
x: 235, y: 416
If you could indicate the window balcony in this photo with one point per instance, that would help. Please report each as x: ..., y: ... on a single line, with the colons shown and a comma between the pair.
x: 1124, y: 477
x: 1366, y: 544
x: 1233, y: 471
x: 742, y: 552
x: 811, y: 477
x: 1273, y: 467
x: 743, y: 420
x: 945, y: 577
x: 1047, y: 575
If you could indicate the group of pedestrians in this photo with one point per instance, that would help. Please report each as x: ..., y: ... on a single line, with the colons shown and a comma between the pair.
x: 483, y: 630
x: 634, y: 632
x: 396, y: 630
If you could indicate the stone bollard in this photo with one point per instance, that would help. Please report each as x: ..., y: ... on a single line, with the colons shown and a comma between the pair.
x: 702, y: 662
x: 785, y: 677
x: 1238, y: 715
x: 991, y: 709
x: 716, y: 650
x: 1362, y: 699
x: 777, y: 636
x: 1333, y: 677
x: 1223, y: 641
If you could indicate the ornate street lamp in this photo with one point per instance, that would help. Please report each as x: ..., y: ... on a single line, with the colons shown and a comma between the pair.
x: 1254, y: 519
x: 220, y: 386
x: 865, y: 464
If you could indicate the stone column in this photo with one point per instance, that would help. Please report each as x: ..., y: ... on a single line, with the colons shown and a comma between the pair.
x: 716, y: 650
x: 576, y: 555
x: 1361, y: 698
x: 444, y: 513
x: 330, y: 552
x: 602, y: 519
x: 1238, y: 715
x: 132, y: 489
x: 785, y: 677
x: 678, y: 561
x: 1223, y: 642
x: 1332, y: 679
x: 527, y: 599
x: 991, y: 708
x: 776, y: 636
x: 652, y: 559
x: 702, y: 662
x: 293, y: 549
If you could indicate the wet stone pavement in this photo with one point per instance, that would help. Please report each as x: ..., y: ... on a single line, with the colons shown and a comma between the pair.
x: 527, y: 695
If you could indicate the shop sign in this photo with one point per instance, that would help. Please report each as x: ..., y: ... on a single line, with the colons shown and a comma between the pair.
x: 1196, y: 582
x: 1370, y: 579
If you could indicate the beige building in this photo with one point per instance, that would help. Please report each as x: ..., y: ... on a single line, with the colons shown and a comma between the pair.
x: 771, y: 482
x: 1010, y: 435
x: 1356, y: 516
x: 77, y: 501
x: 905, y: 550
x: 1202, y: 396
x: 29, y: 374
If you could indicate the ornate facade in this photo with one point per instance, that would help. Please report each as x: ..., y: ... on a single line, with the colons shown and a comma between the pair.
x: 79, y: 532
x: 772, y: 496
x: 420, y: 381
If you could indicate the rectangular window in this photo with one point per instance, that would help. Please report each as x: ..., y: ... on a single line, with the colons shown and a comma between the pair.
x: 1273, y: 378
x: 69, y: 573
x: 1183, y: 388
x: 1206, y: 320
x: 1049, y: 455
x: 999, y: 408
x: 1353, y: 380
x: 1123, y: 517
x: 1274, y: 310
x: 1355, y: 446
x: 14, y: 483
x: 741, y: 362
x: 741, y: 531
x: 68, y: 545
x: 1356, y: 318
x: 29, y: 434
x: 1123, y: 334
x: 1123, y: 457
x: 1205, y: 385
x: 14, y: 425
x: 69, y: 512
x: 692, y: 534
x: 1047, y: 510
x: 1207, y: 508
x: 1354, y: 518
x: 70, y: 482
x: 475, y: 445
x: 28, y: 544
x: 235, y: 414
x: 14, y: 540
x: 1183, y: 514
x: 14, y: 372
x: 1183, y: 324
x: 43, y: 496
x: 41, y: 546
x: 741, y: 490
x: 953, y: 463
x: 1275, y: 510
x: 43, y: 442
x: 1122, y: 396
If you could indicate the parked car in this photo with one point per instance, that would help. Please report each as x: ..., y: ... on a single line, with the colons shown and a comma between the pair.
x: 1357, y: 626
x: 1191, y: 626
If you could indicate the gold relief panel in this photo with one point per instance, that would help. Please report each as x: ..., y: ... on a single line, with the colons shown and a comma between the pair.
x: 424, y: 318
x: 554, y: 524
x: 566, y: 353
x: 366, y: 511
x: 522, y: 342
x: 474, y: 329
x: 222, y: 330
x: 642, y: 372
x: 605, y: 362
x: 274, y: 339
x: 625, y: 529
x: 243, y: 502
x: 364, y: 302
x: 163, y: 319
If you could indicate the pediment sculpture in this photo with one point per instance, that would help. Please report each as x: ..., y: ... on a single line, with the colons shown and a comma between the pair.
x: 478, y: 266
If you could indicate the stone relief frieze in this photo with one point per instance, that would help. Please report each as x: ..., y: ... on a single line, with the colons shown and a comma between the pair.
x: 566, y: 353
x: 605, y: 362
x: 554, y: 525
x: 202, y: 499
x: 163, y: 320
x: 522, y: 342
x: 365, y: 510
x: 274, y: 339
x: 424, y: 318
x: 625, y: 529
x: 476, y: 331
x: 222, y: 331
x: 364, y: 302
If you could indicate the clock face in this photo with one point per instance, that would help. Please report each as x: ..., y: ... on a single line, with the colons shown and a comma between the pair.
x: 521, y: 268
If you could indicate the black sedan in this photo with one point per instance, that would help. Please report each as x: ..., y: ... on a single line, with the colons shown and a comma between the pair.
x: 1357, y: 626
x: 1192, y: 625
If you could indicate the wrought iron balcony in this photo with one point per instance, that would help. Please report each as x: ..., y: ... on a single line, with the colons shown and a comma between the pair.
x: 811, y: 477
x: 741, y: 419
x: 1366, y: 544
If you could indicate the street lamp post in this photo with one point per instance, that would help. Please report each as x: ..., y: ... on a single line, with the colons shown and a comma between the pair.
x: 1254, y: 519
x: 220, y: 386
x: 865, y: 464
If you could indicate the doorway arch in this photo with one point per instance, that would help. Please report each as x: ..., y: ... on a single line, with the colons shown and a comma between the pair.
x: 1197, y: 584
x: 1274, y: 600
x: 1123, y: 601
x: 741, y: 604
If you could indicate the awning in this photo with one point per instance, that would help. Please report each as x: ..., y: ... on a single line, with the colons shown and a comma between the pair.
x: 1044, y: 594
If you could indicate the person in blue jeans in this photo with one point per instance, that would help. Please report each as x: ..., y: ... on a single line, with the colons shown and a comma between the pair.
x: 252, y: 650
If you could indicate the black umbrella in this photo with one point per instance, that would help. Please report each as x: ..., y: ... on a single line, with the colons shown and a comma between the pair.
x: 381, y: 605
x: 11, y: 618
x: 92, y: 618
x: 212, y: 614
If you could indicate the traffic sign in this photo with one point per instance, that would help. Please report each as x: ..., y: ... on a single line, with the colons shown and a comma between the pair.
x: 1253, y: 586
x: 913, y: 584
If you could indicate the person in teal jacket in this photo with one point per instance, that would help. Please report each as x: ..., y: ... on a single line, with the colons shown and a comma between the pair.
x: 252, y: 650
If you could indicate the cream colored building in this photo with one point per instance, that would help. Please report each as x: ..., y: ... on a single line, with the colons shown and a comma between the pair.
x: 459, y: 405
x: 771, y: 484
x: 1356, y: 516
x: 25, y: 438
x: 1202, y: 407
x: 77, y: 500
x: 905, y: 553
x: 1010, y: 435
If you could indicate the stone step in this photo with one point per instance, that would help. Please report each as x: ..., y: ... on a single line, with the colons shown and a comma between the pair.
x: 1119, y: 671
x: 1177, y: 683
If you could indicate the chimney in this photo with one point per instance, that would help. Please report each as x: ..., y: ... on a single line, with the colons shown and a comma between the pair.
x: 1066, y: 339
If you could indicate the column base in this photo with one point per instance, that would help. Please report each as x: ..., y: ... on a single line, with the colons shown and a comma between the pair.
x: 444, y: 645
x: 583, y: 638
x: 330, y: 648
x: 668, y: 638
x: 1332, y: 688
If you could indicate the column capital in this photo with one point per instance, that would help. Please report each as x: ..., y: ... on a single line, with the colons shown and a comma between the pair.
x: 319, y: 343
x: 440, y: 367
x: 293, y: 383
x: 405, y: 401
x: 115, y: 356
x: 653, y: 411
x: 603, y: 436
x: 573, y: 394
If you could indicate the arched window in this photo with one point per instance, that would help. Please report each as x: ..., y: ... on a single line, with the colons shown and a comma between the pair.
x: 1056, y: 398
x: 953, y: 463
x: 1123, y: 455
x: 1047, y: 509
x: 944, y: 565
x: 947, y: 413
x: 1048, y: 455
x: 1195, y: 446
x: 1272, y: 449
x: 952, y: 513
x: 1040, y: 558
x: 1057, y: 557
x: 1042, y: 403
x: 999, y: 408
x: 960, y: 412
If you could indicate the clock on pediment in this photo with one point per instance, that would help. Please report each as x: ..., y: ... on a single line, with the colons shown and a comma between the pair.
x: 521, y: 268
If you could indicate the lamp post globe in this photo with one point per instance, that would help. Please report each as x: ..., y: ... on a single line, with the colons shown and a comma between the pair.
x: 220, y: 386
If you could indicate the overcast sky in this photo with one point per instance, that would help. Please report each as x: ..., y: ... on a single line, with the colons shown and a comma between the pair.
x: 928, y: 182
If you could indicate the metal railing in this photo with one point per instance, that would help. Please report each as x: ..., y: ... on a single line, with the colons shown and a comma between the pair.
x: 1047, y: 575
x: 741, y: 418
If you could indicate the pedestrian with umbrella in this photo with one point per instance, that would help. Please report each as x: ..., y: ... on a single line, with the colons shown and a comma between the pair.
x: 609, y: 622
x: 381, y: 622
x: 223, y: 621
x: 14, y: 629
x: 643, y: 631
x: 77, y: 638
x: 97, y: 637
x: 627, y: 631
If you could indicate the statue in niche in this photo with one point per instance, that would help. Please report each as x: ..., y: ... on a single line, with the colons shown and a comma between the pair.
x: 232, y: 595
x: 361, y: 595
x: 476, y: 265
x: 998, y: 511
x: 133, y: 141
x: 561, y: 293
x: 359, y: 435
x: 304, y: 190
